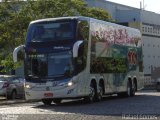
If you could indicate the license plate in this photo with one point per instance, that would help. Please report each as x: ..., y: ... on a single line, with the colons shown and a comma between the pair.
x: 48, y: 94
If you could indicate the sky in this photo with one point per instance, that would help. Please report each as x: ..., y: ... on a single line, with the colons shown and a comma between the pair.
x: 149, y: 5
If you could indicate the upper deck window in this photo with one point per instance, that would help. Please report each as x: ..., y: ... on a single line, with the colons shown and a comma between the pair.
x: 50, y: 31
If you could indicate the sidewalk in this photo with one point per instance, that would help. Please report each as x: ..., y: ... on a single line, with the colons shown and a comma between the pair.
x: 4, y: 101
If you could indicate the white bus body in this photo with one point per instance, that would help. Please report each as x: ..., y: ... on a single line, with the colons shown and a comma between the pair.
x: 88, y: 59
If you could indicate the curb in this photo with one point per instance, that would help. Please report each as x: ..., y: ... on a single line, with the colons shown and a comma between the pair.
x: 9, y: 102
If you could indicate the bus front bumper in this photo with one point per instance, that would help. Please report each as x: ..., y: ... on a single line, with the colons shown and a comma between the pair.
x: 51, y: 93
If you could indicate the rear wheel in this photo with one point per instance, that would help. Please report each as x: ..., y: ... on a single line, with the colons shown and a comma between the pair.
x: 129, y: 89
x: 47, y: 101
x: 92, y: 95
x: 128, y: 92
x: 99, y: 95
x: 133, y: 89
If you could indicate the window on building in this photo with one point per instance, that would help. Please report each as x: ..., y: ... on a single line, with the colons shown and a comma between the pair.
x: 151, y: 30
x: 156, y: 31
x: 148, y: 29
x: 145, y: 29
x: 142, y: 29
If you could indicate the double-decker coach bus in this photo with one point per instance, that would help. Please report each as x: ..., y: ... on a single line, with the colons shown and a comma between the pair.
x: 80, y: 57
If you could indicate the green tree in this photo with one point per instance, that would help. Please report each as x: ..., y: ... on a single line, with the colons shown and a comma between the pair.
x: 16, y: 15
x: 12, y: 30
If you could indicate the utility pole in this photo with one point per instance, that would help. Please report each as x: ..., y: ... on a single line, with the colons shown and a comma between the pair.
x: 143, y: 5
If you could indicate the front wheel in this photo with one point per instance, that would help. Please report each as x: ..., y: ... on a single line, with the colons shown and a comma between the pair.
x: 47, y: 101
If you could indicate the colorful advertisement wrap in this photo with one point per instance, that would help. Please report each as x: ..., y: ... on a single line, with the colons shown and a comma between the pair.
x: 114, y: 49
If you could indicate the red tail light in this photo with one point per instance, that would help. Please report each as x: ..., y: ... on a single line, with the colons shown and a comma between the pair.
x: 5, y: 85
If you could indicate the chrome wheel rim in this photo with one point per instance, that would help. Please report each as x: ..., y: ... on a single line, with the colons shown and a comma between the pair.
x: 92, y: 93
x: 100, y: 93
x: 128, y: 90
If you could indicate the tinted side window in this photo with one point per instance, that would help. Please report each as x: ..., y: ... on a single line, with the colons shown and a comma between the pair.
x: 82, y: 34
x: 83, y: 30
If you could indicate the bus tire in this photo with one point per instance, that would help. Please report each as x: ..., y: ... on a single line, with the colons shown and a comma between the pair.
x: 47, y: 101
x: 57, y: 101
x: 92, y: 95
x: 129, y: 89
x: 133, y: 89
x: 99, y: 94
x: 128, y: 92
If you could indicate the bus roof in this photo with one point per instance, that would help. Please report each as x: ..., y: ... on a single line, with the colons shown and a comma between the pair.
x: 59, y: 18
x: 83, y: 18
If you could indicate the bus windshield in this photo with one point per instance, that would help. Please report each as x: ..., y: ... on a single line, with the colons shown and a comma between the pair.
x: 49, y: 65
x: 50, y: 31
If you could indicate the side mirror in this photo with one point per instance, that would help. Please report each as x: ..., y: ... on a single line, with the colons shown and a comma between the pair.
x: 76, y: 48
x: 15, y: 52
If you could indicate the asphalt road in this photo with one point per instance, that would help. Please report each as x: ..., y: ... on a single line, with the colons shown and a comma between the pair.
x: 145, y: 105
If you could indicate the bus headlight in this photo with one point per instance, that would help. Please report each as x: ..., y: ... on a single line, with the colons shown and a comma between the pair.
x: 70, y: 83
